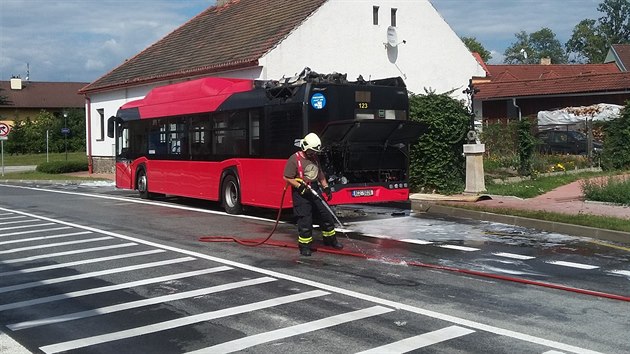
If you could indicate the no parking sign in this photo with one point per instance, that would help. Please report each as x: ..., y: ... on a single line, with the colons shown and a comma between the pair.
x: 4, y: 132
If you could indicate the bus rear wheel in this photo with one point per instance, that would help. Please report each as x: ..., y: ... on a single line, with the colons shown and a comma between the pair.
x: 231, y: 195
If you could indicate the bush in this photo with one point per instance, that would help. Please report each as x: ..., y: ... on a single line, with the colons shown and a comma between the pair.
x: 437, y: 161
x: 610, y: 190
x: 616, y: 154
x: 56, y: 167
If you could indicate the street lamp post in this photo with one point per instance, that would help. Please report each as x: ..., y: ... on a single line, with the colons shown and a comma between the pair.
x: 65, y: 134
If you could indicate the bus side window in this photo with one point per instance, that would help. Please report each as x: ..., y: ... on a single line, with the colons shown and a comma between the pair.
x: 254, y: 132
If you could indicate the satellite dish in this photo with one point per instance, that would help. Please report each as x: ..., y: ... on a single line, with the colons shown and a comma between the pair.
x: 392, y: 36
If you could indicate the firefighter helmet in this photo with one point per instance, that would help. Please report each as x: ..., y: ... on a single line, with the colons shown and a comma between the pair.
x: 311, y: 142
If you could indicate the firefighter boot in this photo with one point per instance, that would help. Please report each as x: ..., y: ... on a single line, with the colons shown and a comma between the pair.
x: 305, y: 249
x: 331, y: 241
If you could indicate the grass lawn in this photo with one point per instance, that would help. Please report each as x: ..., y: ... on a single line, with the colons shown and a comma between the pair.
x: 39, y: 176
x: 36, y: 159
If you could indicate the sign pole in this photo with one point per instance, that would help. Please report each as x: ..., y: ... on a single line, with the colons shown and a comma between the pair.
x: 2, y: 148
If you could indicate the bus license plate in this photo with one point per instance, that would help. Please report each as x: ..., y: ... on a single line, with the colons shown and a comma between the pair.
x: 363, y: 193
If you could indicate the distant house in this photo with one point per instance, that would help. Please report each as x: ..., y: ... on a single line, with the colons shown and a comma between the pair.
x: 25, y: 99
x: 271, y: 39
x: 513, y: 91
x: 620, y: 55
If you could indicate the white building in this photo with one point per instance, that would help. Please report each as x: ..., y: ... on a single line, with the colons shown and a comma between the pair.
x: 271, y: 39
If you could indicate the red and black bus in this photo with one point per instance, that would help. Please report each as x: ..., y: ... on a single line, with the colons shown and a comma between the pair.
x: 227, y: 140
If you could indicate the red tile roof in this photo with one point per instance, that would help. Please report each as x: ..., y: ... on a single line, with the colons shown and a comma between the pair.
x: 555, y: 86
x: 43, y: 94
x: 225, y: 37
x: 623, y: 53
x: 537, y: 71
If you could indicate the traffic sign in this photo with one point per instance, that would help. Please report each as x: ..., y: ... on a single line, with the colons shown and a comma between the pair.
x: 65, y: 131
x: 4, y: 129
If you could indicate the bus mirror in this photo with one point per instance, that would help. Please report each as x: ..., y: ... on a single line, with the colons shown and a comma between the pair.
x: 111, y: 123
x: 297, y: 142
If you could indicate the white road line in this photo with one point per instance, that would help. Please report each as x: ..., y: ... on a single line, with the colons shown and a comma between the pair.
x: 139, y: 201
x: 621, y: 272
x: 572, y: 265
x: 459, y: 248
x: 35, y: 284
x: 13, y: 250
x: 35, y: 231
x: 421, y: 341
x: 39, y: 238
x: 250, y: 341
x: 137, y: 304
x: 513, y: 255
x: 66, y: 253
x: 104, y: 289
x: 162, y: 326
x: 25, y: 226
x: 397, y: 305
x: 81, y: 262
x: 18, y: 222
x: 12, y: 217
x: 419, y: 242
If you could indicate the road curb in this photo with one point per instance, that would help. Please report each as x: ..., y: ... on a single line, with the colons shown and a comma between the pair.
x: 543, y: 225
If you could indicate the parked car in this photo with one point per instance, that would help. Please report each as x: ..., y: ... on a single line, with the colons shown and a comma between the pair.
x: 565, y: 142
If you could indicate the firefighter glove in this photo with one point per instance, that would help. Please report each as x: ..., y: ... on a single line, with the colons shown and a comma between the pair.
x: 328, y: 192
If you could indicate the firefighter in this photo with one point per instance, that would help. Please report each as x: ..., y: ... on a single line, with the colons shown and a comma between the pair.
x: 302, y: 171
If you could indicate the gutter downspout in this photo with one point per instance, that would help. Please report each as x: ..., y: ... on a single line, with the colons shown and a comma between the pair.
x: 517, y: 107
x: 89, y: 134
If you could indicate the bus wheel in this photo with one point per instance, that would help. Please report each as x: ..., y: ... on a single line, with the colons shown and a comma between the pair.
x: 143, y: 184
x: 231, y: 193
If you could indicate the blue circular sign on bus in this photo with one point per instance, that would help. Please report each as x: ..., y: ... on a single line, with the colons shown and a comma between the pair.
x: 318, y: 101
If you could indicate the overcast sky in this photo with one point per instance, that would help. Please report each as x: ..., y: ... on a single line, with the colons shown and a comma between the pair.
x: 81, y: 40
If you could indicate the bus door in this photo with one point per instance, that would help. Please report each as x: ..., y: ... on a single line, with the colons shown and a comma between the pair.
x: 123, y: 162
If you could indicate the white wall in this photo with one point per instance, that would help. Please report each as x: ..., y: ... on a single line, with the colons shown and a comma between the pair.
x: 341, y: 37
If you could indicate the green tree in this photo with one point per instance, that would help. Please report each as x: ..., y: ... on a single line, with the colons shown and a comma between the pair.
x: 437, y: 162
x: 591, y: 39
x: 530, y: 48
x: 474, y: 46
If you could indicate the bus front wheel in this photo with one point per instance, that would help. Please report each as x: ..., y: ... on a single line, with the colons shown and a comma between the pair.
x: 142, y: 183
x: 231, y: 195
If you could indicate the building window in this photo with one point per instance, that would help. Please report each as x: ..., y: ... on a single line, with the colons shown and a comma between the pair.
x: 375, y: 15
x: 101, y: 121
x: 394, y: 17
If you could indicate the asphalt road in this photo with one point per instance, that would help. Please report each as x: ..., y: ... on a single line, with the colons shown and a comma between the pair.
x: 89, y: 269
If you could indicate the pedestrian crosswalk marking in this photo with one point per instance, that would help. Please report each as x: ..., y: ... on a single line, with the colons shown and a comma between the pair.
x: 35, y: 231
x: 25, y: 226
x: 81, y: 262
x: 17, y: 222
x: 420, y: 341
x: 104, y: 289
x: 261, y: 338
x: 66, y: 253
x: 92, y: 274
x: 39, y: 238
x: 138, y: 303
x: 30, y: 248
x: 161, y: 326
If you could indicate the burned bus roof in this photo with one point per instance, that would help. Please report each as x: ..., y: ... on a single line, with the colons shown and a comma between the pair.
x: 215, y: 94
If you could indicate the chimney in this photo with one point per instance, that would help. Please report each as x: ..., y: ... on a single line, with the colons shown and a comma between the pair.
x: 222, y: 2
x: 16, y: 83
x: 545, y: 61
